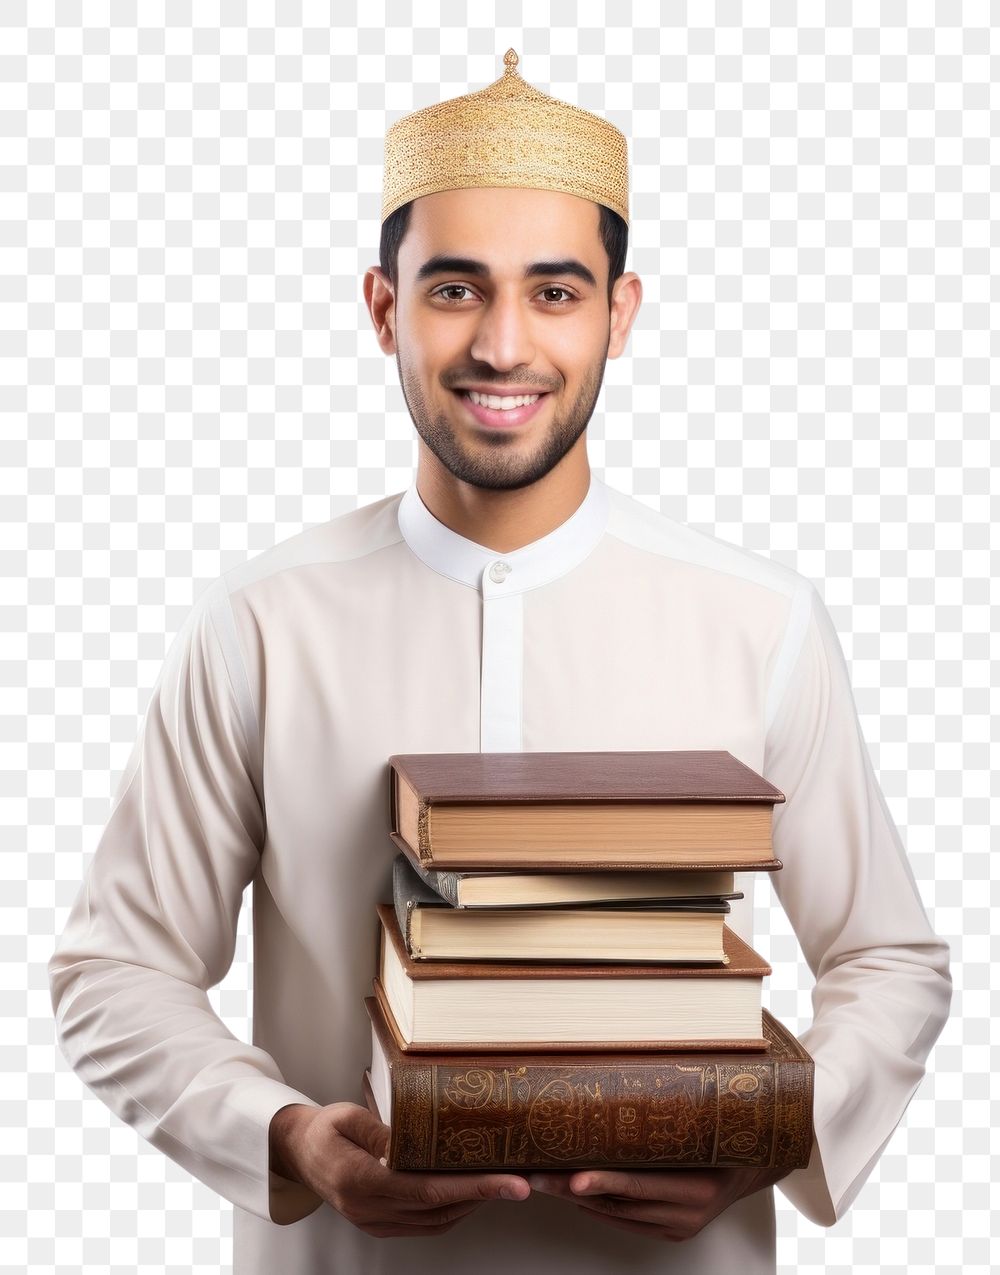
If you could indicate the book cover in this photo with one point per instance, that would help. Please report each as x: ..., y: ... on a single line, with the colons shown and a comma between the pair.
x: 582, y: 810
x: 529, y: 1112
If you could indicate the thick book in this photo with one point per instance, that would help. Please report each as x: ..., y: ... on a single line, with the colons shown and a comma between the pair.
x: 432, y: 930
x: 531, y: 1112
x: 570, y: 889
x: 601, y: 811
x: 483, y: 1006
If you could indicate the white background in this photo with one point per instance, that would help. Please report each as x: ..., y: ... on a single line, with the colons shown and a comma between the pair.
x: 188, y: 375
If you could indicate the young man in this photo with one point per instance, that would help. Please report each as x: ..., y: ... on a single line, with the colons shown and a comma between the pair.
x: 508, y: 600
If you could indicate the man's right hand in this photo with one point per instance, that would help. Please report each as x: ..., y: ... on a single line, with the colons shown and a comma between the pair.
x: 337, y: 1152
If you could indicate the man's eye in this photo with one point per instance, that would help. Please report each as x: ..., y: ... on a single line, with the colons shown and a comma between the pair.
x: 452, y: 288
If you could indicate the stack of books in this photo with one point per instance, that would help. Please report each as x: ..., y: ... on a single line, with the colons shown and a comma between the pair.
x: 556, y: 985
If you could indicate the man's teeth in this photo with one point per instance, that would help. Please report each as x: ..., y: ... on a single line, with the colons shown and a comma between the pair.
x: 501, y: 404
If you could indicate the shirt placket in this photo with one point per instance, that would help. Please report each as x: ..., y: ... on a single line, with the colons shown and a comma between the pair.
x: 502, y: 659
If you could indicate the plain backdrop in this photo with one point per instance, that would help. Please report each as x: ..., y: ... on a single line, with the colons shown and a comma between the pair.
x: 189, y: 199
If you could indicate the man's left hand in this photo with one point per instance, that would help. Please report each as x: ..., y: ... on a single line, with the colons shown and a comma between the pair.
x: 672, y: 1204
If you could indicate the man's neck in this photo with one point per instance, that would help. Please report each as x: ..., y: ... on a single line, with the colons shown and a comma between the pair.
x: 504, y: 520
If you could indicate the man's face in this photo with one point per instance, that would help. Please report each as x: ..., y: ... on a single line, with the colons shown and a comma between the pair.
x: 479, y: 321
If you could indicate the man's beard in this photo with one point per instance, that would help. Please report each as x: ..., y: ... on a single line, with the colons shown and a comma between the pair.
x: 495, y: 466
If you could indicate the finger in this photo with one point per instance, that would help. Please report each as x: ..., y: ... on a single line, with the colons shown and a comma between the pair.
x: 551, y: 1184
x: 680, y: 1186
x: 397, y: 1211
x: 364, y: 1130
x: 649, y: 1213
x: 635, y: 1186
x: 392, y: 1230
x: 637, y: 1228
x: 434, y: 1190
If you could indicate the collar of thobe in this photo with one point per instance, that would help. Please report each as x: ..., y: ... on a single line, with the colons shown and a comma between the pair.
x: 481, y: 568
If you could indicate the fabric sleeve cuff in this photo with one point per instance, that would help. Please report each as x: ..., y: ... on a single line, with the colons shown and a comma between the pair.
x: 277, y: 1199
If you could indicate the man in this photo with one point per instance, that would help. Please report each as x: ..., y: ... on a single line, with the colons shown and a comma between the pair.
x: 508, y: 600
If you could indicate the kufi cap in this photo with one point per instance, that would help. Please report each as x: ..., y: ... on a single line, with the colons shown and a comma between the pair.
x: 508, y: 134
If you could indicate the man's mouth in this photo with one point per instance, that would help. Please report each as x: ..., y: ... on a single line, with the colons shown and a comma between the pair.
x: 496, y: 411
x: 503, y: 402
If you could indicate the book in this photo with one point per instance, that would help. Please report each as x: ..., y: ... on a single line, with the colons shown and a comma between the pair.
x: 524, y: 1005
x: 586, y: 810
x: 532, y: 1112
x: 432, y: 930
x: 569, y: 889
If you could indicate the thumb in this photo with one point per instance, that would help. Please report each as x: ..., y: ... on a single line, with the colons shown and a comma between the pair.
x: 451, y: 1188
x: 365, y: 1130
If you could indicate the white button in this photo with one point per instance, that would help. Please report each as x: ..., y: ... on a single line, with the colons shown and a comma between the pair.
x: 500, y: 571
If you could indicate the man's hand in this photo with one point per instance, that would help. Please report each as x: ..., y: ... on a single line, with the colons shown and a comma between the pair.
x: 671, y: 1204
x: 337, y: 1151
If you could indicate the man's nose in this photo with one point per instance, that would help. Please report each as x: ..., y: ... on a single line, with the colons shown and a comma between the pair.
x: 504, y: 336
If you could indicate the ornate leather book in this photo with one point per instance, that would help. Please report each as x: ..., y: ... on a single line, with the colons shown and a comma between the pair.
x: 581, y: 811
x: 593, y: 1110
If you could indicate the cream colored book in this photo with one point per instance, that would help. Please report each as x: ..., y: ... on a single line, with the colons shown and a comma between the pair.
x: 566, y: 889
x: 479, y: 1006
x: 432, y: 930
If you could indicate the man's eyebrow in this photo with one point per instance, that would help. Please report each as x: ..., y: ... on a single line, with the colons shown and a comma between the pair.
x: 467, y: 266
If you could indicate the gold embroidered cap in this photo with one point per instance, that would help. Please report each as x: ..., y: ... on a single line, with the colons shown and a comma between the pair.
x: 508, y: 134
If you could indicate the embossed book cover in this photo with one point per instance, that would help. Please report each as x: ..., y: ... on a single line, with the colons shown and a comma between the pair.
x: 593, y: 1109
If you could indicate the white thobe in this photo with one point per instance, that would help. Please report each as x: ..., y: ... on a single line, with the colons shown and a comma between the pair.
x: 263, y: 758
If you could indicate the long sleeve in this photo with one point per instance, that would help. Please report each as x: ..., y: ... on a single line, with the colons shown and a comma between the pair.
x: 883, y: 988
x: 154, y: 927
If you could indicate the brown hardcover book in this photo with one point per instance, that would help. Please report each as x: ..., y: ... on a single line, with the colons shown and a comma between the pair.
x: 483, y: 1006
x: 592, y: 1110
x: 581, y: 810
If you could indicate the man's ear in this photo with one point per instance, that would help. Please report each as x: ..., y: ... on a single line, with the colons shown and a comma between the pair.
x: 625, y: 299
x: 380, y: 298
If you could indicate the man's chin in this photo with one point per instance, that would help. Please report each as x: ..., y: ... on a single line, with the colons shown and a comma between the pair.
x: 497, y: 482
x: 496, y: 462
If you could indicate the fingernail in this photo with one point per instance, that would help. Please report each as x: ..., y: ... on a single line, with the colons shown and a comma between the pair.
x: 580, y: 1186
x: 510, y: 1192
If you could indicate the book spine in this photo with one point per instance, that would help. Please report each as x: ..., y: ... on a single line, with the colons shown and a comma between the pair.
x: 404, y: 914
x: 424, y: 831
x: 734, y: 1114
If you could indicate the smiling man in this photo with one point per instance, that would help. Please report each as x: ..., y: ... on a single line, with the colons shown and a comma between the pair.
x: 507, y: 600
x: 501, y: 350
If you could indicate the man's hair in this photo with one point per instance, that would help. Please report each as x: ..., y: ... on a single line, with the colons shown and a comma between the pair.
x: 614, y: 236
